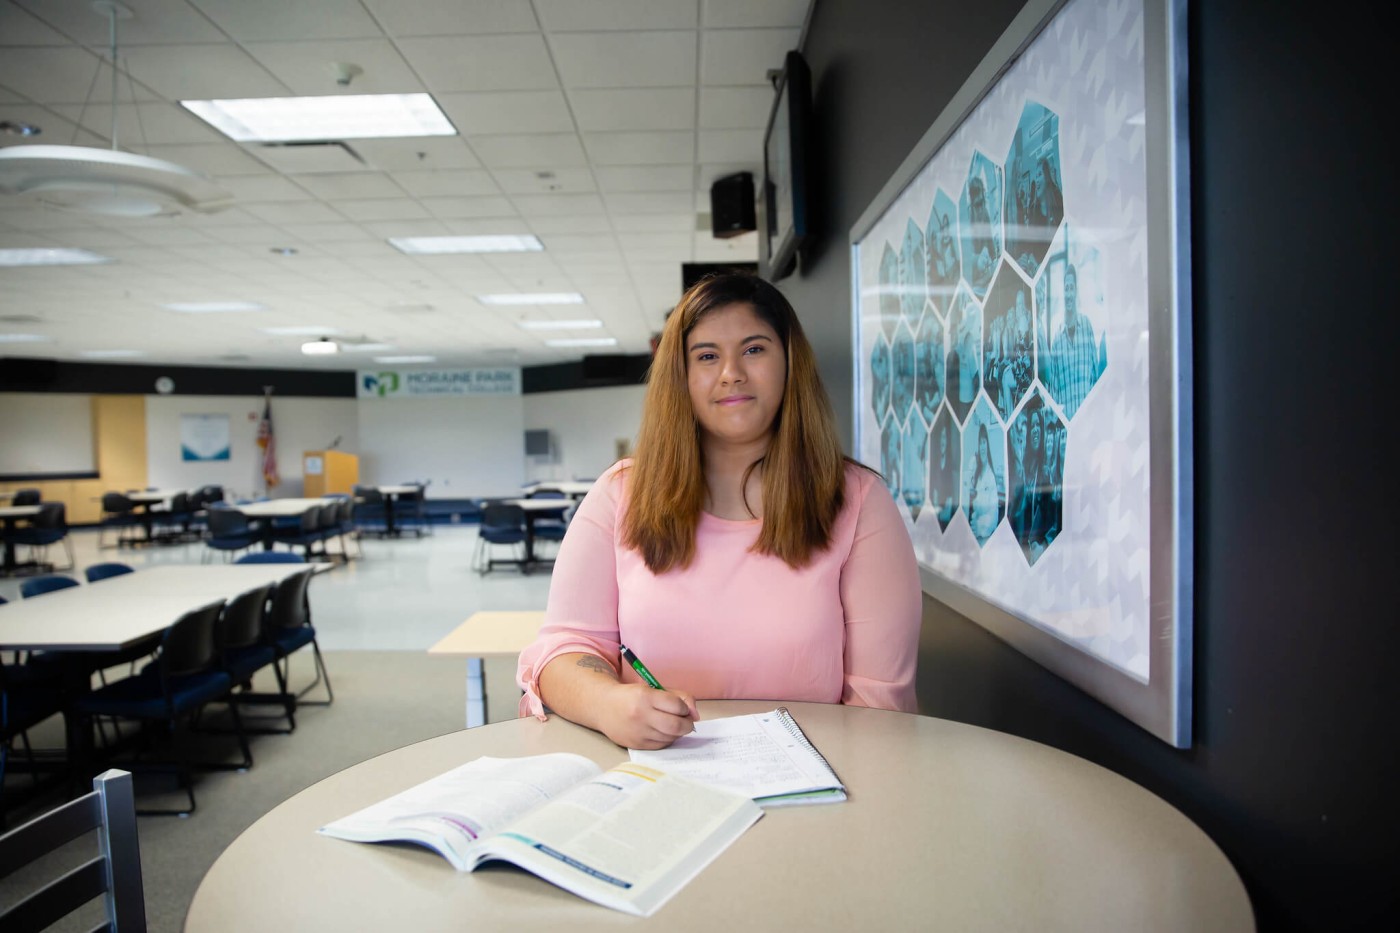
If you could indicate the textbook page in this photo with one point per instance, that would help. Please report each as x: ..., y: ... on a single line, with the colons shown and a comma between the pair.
x: 764, y: 756
x: 628, y: 839
x: 450, y: 812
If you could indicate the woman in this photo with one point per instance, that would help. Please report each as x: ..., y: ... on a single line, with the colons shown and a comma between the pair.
x: 985, y: 506
x: 739, y: 554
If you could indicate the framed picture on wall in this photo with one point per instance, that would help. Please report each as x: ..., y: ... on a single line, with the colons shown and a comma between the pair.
x: 1022, y: 355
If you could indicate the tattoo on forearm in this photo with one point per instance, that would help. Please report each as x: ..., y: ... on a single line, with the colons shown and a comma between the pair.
x: 594, y: 663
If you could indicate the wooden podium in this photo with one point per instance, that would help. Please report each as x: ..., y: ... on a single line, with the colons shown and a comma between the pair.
x: 327, y: 471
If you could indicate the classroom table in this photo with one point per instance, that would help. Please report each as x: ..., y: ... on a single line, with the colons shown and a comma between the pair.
x: 267, y: 511
x: 146, y: 500
x: 10, y: 517
x: 948, y: 827
x: 574, y: 489
x: 391, y: 495
x: 487, y: 635
x: 537, y: 508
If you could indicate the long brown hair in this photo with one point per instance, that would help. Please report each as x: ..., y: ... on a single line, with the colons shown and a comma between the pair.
x: 803, y: 471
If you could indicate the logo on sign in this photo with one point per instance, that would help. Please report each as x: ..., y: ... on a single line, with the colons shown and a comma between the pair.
x: 381, y: 384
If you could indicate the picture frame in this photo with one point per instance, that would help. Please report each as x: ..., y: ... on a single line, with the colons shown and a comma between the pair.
x: 784, y: 225
x: 1021, y: 334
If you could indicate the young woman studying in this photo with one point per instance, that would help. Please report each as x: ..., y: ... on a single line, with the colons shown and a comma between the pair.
x: 739, y: 553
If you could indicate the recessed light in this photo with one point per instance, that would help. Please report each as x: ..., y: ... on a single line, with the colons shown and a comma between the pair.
x: 299, y: 331
x: 583, y: 342
x: 498, y: 243
x: 24, y: 338
x: 283, y: 250
x: 50, y: 257
x: 111, y: 354
x: 560, y: 325
x: 212, y: 307
x: 405, y: 359
x: 532, y: 298
x: 16, y: 128
x: 323, y: 347
x: 305, y: 119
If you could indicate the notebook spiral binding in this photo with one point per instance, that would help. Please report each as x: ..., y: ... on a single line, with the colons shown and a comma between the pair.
x: 794, y: 730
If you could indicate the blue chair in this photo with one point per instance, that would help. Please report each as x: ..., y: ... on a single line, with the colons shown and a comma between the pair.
x: 49, y: 526
x: 247, y: 647
x: 26, y: 497
x: 370, y: 514
x: 119, y: 512
x: 109, y: 569
x: 289, y: 629
x: 271, y: 557
x: 308, y: 533
x: 229, y: 531
x: 551, y: 526
x: 184, y: 677
x: 38, y: 586
x: 410, y: 510
x: 29, y: 694
x: 501, y: 524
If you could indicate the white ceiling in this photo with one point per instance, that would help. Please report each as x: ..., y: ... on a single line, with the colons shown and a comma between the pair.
x: 597, y: 125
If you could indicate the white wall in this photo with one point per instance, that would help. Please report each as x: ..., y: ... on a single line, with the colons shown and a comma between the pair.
x: 585, y: 425
x: 46, y: 432
x: 299, y: 424
x: 467, y: 447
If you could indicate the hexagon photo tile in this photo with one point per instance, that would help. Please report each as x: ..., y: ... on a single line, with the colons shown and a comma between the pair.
x: 1035, y: 477
x: 913, y: 274
x: 963, y: 371
x: 979, y: 210
x: 915, y: 448
x: 890, y: 462
x: 1008, y: 341
x: 941, y: 241
x: 903, y: 374
x: 945, y: 457
x: 880, y: 385
x: 984, y: 471
x: 929, y: 362
x: 1071, y: 319
x: 889, y: 291
x: 1035, y: 202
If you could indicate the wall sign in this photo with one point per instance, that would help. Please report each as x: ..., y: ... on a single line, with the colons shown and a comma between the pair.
x: 428, y: 383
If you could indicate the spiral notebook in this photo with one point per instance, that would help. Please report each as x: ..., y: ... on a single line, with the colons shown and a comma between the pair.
x: 765, y: 756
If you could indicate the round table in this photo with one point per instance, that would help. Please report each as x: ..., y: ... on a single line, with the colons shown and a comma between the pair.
x: 948, y: 827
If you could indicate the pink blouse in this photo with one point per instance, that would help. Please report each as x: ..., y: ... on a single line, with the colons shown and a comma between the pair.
x: 736, y: 624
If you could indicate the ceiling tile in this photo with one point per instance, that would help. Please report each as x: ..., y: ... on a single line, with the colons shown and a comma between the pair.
x: 252, y: 20
x: 743, y: 56
x: 145, y: 123
x: 625, y: 15
x: 558, y: 205
x: 449, y: 17
x: 209, y: 158
x: 154, y: 21
x: 264, y: 235
x: 284, y: 212
x: 634, y: 108
x: 481, y: 63
x: 200, y: 72
x: 310, y: 68
x: 420, y: 153
x: 548, y: 226
x: 657, y: 202
x: 640, y: 148
x: 361, y: 211
x: 498, y: 112
x: 646, y: 178
x: 256, y: 188
x: 326, y: 233
x: 469, y: 207
x: 729, y: 108
x: 52, y: 75
x: 654, y: 223
x: 728, y: 14
x: 452, y: 182
x: 557, y: 150
x: 631, y: 59
x: 348, y: 185
x: 18, y: 27
x: 730, y: 145
x: 544, y: 181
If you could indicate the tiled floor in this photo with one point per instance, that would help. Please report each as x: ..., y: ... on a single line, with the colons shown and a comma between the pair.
x: 404, y: 594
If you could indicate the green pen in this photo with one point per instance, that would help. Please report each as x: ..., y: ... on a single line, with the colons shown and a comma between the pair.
x: 639, y: 667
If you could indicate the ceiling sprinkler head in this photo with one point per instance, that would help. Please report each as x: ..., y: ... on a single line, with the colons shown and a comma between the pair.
x: 345, y: 72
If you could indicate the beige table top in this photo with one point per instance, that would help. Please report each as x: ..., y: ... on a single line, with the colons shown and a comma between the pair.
x: 279, y: 508
x: 18, y: 511
x: 120, y: 611
x: 949, y: 827
x: 491, y: 635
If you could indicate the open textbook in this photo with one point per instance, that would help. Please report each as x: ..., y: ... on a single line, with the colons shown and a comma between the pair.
x: 765, y: 756
x: 628, y: 838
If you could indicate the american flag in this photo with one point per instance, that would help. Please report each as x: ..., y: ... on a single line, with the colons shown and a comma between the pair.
x: 267, y: 441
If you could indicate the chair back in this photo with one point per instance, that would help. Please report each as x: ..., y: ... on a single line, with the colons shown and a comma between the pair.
x: 271, y: 557
x: 180, y: 502
x: 290, y: 608
x: 227, y: 523
x: 116, y: 503
x: 241, y: 623
x: 52, y: 516
x: 328, y: 516
x: 38, y: 586
x: 498, y: 517
x: 188, y: 646
x: 345, y: 512
x: 369, y: 495
x: 114, y: 874
x: 109, y: 569
x: 26, y: 497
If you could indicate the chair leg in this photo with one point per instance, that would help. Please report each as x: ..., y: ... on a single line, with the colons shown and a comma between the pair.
x: 319, y: 665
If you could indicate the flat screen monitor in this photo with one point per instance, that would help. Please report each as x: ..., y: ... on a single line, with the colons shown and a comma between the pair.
x: 785, y: 222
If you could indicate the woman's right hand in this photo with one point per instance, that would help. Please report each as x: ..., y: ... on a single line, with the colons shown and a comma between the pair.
x: 639, y: 716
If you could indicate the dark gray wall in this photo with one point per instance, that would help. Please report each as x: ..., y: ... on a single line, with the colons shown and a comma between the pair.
x: 1294, y: 766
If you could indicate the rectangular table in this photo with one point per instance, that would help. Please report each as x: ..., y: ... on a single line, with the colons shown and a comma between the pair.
x: 487, y: 635
x: 278, y: 508
x: 10, y: 517
x: 391, y: 495
x: 536, y: 508
x: 146, y: 500
x: 574, y: 489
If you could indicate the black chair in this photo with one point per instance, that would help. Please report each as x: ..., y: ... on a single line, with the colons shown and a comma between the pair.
x: 104, y: 571
x: 289, y: 629
x: 229, y: 531
x: 27, y: 497
x: 410, y: 510
x: 184, y: 677
x: 307, y: 534
x: 345, y: 524
x: 501, y: 524
x: 270, y: 557
x: 551, y: 526
x: 49, y: 526
x: 246, y: 648
x: 29, y: 694
x: 328, y: 527
x: 119, y: 512
x: 370, y: 514
x: 114, y: 874
x: 175, y: 520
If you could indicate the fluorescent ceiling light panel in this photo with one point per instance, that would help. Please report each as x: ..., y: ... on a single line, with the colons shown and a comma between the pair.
x: 583, y: 342
x: 111, y: 354
x: 307, y: 119
x: 24, y: 338
x: 50, y: 257
x: 300, y: 331
x: 505, y: 243
x: 560, y: 325
x: 212, y: 307
x: 532, y: 298
x: 320, y: 347
x: 405, y: 359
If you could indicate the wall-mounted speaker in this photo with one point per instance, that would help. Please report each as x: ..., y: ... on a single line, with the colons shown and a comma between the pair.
x: 732, y: 205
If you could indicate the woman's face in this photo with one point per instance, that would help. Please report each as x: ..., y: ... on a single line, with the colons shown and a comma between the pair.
x: 736, y: 371
x: 1035, y: 433
x: 984, y: 448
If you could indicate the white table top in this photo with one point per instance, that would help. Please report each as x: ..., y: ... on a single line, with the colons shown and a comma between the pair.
x: 541, y: 505
x: 120, y: 611
x: 279, y: 508
x: 491, y: 635
x: 153, y: 496
x: 398, y: 490
x: 18, y: 511
x: 949, y: 827
x: 567, y: 487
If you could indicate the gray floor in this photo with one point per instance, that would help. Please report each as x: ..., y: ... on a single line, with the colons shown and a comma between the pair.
x: 374, y: 619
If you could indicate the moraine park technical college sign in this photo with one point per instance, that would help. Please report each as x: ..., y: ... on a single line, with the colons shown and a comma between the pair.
x: 427, y: 383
